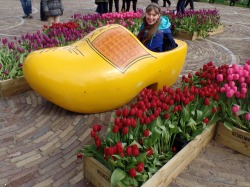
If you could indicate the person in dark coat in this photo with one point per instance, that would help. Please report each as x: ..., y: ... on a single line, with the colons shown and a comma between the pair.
x: 52, y: 9
x: 42, y: 15
x: 180, y: 6
x: 102, y: 6
x: 116, y: 5
x: 191, y: 3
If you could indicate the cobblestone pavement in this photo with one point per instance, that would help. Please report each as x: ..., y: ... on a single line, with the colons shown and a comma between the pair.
x: 38, y: 140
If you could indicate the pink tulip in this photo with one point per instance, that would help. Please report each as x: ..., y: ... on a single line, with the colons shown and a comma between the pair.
x: 229, y: 93
x: 248, y: 61
x: 232, y: 84
x: 245, y: 73
x: 248, y: 115
x: 241, y: 79
x: 243, y: 85
x: 236, y: 76
x: 243, y: 90
x: 235, y: 109
x: 219, y: 77
x: 230, y: 77
x: 230, y: 71
x: 247, y: 67
x: 237, y: 94
x: 234, y: 89
x: 222, y: 90
x: 242, y: 96
x: 235, y: 68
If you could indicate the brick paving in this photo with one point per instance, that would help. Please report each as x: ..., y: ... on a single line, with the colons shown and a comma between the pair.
x: 38, y: 140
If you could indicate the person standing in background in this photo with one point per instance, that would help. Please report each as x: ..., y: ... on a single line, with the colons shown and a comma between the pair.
x: 134, y: 4
x: 52, y: 9
x: 116, y: 5
x: 154, y: 1
x: 191, y: 3
x: 180, y: 6
x: 27, y: 8
x: 123, y: 6
x: 164, y: 3
x: 42, y: 16
x: 102, y: 6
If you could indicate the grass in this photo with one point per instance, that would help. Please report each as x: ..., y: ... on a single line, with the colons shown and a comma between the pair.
x: 238, y: 3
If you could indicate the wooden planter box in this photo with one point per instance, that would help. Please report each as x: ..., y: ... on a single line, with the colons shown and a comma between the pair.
x: 13, y: 86
x: 194, y: 35
x: 99, y: 175
x: 237, y: 139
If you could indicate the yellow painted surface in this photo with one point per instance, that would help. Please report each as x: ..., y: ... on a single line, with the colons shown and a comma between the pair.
x: 103, y: 71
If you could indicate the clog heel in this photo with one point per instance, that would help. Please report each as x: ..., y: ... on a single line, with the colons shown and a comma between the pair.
x: 103, y: 71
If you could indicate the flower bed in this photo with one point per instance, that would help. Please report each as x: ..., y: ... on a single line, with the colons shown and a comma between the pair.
x: 200, y: 23
x: 99, y: 175
x: 141, y: 139
x: 234, y: 104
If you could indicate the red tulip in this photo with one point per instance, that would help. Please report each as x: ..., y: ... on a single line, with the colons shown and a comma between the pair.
x: 129, y: 151
x: 146, y: 133
x: 140, y: 167
x: 116, y: 129
x: 97, y: 127
x: 132, y: 172
x: 125, y: 130
x: 149, y: 151
x: 79, y: 155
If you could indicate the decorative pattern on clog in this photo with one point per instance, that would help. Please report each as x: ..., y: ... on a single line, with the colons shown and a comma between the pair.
x: 118, y: 47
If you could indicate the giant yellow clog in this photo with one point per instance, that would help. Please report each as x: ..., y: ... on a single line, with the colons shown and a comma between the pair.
x: 103, y: 71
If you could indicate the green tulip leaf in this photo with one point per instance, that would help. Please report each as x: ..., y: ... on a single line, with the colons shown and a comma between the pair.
x: 155, y: 135
x: 117, y: 175
x: 121, y: 184
x: 199, y: 115
x: 127, y: 181
x: 228, y: 125
x: 171, y: 126
x: 135, y: 142
x: 142, y: 157
x: 142, y: 178
x: 242, y: 112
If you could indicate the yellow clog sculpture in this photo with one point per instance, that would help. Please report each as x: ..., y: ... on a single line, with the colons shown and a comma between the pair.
x: 103, y: 71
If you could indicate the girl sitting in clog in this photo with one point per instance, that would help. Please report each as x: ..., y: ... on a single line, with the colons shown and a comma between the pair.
x: 155, y: 31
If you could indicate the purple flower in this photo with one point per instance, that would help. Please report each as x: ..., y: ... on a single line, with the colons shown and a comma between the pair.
x: 6, y: 72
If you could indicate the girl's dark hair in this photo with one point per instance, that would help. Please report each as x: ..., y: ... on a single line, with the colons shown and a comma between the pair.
x: 151, y: 28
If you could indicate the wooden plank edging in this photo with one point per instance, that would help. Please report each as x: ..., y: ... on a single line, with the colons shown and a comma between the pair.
x: 13, y: 86
x: 237, y: 139
x: 185, y: 35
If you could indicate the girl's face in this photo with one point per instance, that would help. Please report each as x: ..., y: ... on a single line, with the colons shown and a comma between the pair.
x: 152, y: 17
